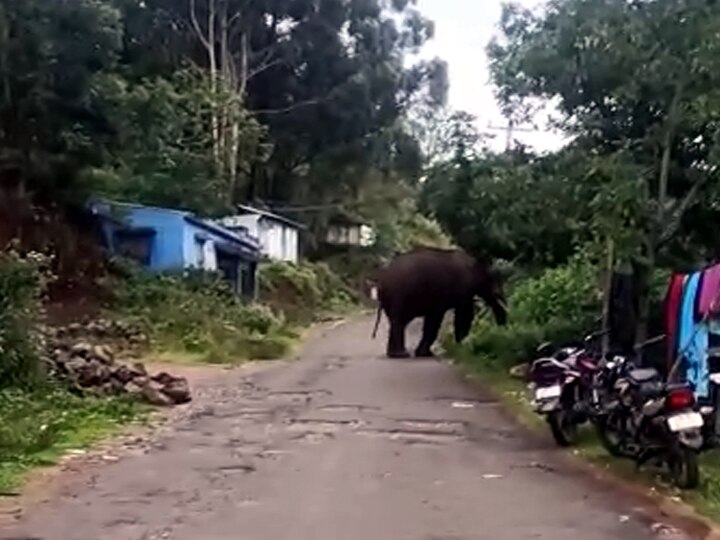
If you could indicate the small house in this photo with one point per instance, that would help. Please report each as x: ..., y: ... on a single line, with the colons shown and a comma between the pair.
x: 165, y: 239
x: 344, y: 231
x: 278, y: 235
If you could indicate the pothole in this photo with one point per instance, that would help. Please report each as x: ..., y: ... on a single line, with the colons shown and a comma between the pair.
x: 299, y: 395
x: 412, y: 436
x: 322, y: 424
x: 349, y: 408
x: 313, y: 436
x: 432, y: 425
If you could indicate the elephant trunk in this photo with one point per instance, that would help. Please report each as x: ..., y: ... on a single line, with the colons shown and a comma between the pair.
x: 499, y: 310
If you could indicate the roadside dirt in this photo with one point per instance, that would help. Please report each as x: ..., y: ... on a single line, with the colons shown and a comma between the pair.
x: 336, y: 443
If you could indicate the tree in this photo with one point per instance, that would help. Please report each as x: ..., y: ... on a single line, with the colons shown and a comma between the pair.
x: 50, y: 56
x: 637, y: 82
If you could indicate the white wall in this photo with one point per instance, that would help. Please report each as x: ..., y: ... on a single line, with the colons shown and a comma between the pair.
x: 350, y: 235
x: 279, y: 241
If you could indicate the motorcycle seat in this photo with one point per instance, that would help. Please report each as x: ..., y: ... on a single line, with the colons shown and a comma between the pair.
x: 643, y: 376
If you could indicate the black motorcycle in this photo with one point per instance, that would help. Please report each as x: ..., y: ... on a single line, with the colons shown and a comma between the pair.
x: 652, y: 420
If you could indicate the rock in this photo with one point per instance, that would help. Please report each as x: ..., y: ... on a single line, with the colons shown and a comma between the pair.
x: 75, y: 365
x: 163, y: 378
x: 122, y: 373
x: 134, y: 389
x: 112, y: 388
x: 138, y: 370
x: 141, y: 381
x: 178, y: 390
x: 103, y: 353
x: 82, y: 348
x: 152, y: 392
x: 94, y: 373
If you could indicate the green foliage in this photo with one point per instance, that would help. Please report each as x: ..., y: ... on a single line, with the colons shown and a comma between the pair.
x: 405, y: 229
x: 303, y: 291
x: 570, y: 292
x: 558, y: 305
x: 199, y: 315
x: 36, y: 427
x: 517, y: 207
x: 640, y: 92
x: 163, y: 145
x: 296, y: 104
x: 21, y: 284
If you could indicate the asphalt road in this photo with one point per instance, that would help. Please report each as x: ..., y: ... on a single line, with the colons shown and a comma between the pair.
x: 338, y: 444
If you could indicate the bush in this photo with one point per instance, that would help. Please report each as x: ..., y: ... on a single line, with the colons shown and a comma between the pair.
x: 570, y: 292
x: 21, y: 284
x: 558, y: 305
x: 200, y: 315
x: 303, y: 291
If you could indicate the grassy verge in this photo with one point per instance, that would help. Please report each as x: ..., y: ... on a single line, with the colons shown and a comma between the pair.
x: 514, y: 395
x: 196, y: 317
x: 37, y: 428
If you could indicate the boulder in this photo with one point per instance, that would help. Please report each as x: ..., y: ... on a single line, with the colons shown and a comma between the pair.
x: 103, y: 353
x: 163, y: 378
x: 152, y: 392
x: 75, y: 365
x: 95, y: 373
x: 82, y: 348
x: 178, y: 390
x: 138, y: 370
x: 122, y: 373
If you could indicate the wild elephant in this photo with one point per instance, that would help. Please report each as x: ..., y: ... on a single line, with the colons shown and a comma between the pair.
x: 427, y: 283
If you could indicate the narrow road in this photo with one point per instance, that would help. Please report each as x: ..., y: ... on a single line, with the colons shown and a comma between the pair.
x: 339, y: 445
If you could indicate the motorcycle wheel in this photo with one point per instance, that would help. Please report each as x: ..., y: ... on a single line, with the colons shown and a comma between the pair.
x: 684, y: 468
x: 610, y: 435
x: 564, y: 429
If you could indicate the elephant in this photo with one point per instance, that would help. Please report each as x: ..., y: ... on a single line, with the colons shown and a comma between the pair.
x: 427, y: 282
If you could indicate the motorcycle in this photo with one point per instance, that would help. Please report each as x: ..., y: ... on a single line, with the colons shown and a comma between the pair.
x: 652, y: 420
x: 563, y: 386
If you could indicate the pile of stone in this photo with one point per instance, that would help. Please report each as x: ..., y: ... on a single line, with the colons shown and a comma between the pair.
x: 73, y: 353
x: 124, y: 335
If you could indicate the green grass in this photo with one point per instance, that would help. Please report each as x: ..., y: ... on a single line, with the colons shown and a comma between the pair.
x: 37, y: 428
x: 514, y: 396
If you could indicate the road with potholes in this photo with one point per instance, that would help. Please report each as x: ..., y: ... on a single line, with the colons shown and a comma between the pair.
x: 339, y: 443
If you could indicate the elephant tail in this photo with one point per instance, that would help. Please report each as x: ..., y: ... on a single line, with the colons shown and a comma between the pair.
x: 377, y: 322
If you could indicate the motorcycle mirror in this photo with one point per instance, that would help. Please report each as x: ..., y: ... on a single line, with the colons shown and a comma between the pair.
x: 544, y: 349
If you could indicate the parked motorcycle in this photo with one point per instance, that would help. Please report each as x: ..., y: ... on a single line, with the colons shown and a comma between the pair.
x: 652, y: 420
x: 563, y: 385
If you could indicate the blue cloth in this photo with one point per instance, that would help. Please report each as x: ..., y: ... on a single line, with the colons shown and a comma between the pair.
x: 693, y: 339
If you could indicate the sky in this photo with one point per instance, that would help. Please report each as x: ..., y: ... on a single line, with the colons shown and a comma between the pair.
x: 463, y: 28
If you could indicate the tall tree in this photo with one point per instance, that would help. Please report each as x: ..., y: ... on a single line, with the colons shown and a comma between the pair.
x: 638, y: 82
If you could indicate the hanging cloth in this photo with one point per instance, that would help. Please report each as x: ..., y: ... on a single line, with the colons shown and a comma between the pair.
x: 623, y: 313
x: 709, y: 292
x: 673, y: 299
x: 693, y: 339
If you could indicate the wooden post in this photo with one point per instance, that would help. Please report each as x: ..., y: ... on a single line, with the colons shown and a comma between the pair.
x: 607, y: 295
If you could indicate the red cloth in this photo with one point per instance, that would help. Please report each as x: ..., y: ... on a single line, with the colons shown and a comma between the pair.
x: 672, y: 311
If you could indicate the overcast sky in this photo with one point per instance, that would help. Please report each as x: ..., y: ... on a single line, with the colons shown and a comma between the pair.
x: 463, y: 28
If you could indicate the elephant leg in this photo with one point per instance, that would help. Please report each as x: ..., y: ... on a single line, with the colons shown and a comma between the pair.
x: 464, y: 315
x: 396, y: 339
x: 431, y: 329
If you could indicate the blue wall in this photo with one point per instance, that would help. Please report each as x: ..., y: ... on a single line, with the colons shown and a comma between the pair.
x: 167, y: 253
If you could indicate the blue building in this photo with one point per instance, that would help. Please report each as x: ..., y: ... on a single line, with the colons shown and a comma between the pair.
x: 164, y: 239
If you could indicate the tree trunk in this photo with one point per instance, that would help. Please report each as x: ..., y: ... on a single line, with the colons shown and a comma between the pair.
x: 609, y: 266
